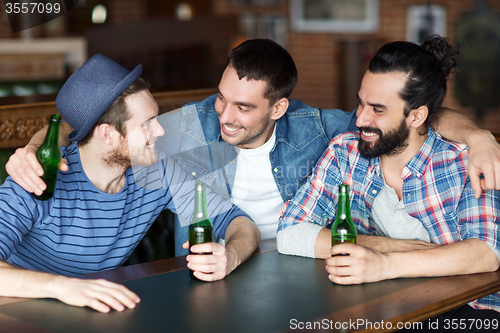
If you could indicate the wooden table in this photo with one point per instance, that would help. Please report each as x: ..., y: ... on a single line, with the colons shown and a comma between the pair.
x: 268, y: 293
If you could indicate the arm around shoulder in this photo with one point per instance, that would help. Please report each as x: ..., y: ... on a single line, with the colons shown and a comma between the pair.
x: 484, y: 151
x: 23, y: 165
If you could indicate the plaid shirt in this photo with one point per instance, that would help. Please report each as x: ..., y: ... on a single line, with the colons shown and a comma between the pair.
x: 436, y: 191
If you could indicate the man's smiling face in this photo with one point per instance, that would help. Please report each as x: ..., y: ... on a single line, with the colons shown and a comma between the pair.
x: 245, y: 115
x: 381, y: 119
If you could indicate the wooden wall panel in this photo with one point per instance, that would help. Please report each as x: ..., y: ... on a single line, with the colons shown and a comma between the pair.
x: 19, y: 122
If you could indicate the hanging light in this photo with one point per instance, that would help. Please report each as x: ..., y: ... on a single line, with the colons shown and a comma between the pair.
x: 183, y: 11
x: 99, y: 14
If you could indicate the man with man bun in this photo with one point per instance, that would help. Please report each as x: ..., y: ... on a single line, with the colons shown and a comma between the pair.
x: 411, y: 198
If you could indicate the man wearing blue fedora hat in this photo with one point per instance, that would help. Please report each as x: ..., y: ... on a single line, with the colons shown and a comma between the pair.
x: 101, y: 209
x: 278, y: 140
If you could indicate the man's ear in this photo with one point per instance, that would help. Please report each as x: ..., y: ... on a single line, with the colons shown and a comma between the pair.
x: 279, y: 108
x: 418, y: 116
x: 107, y: 133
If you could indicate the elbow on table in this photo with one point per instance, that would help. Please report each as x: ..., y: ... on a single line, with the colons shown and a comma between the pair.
x: 298, y: 240
x: 490, y: 259
x: 280, y: 244
x: 284, y: 243
x: 496, y: 265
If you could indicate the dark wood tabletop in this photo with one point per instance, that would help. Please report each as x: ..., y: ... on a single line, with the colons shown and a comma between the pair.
x: 269, y: 293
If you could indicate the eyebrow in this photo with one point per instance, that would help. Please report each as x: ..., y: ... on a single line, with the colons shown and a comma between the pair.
x: 375, y: 105
x: 246, y: 104
x: 148, y: 120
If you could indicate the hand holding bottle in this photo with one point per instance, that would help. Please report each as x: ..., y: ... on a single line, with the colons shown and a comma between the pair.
x: 200, y: 229
x: 360, y: 266
x: 351, y: 263
x: 23, y: 165
x: 49, y: 155
x: 207, y: 267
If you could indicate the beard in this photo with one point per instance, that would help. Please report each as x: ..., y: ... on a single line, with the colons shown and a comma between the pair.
x: 392, y: 143
x: 122, y: 157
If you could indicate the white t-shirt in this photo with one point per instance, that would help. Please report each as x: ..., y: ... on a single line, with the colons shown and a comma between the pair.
x: 254, y: 189
x: 391, y: 219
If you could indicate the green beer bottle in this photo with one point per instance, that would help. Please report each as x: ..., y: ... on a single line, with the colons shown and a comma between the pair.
x: 201, y: 229
x: 343, y: 228
x: 49, y: 155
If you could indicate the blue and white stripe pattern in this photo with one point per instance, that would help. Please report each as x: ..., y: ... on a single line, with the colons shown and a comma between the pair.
x: 82, y: 229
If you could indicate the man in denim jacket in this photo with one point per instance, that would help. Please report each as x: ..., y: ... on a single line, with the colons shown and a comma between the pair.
x: 252, y: 144
x: 251, y: 121
x: 300, y: 138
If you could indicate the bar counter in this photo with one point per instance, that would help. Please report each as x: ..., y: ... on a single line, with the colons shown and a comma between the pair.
x: 268, y: 293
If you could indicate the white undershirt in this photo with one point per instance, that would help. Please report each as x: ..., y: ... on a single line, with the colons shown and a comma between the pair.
x: 254, y: 189
x: 391, y: 219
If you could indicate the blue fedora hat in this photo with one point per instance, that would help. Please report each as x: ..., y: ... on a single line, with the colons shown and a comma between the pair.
x: 91, y: 89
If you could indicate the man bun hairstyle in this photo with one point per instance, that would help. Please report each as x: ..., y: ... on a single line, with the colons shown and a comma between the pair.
x: 428, y: 66
x: 266, y: 60
x: 446, y: 55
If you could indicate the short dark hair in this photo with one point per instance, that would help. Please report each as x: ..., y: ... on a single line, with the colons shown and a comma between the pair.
x: 117, y: 113
x: 428, y: 67
x: 264, y: 59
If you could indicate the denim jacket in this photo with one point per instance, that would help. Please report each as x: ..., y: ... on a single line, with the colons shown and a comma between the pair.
x: 302, y: 135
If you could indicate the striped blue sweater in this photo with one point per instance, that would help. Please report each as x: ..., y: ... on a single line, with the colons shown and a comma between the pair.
x: 82, y: 229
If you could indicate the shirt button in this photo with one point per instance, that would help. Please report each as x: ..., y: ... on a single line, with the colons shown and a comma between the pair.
x: 193, y: 173
x: 409, y: 196
x: 275, y: 169
x: 232, y: 162
x: 374, y: 192
x: 225, y: 193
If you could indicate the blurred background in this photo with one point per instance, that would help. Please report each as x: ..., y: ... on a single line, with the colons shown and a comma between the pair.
x: 183, y: 45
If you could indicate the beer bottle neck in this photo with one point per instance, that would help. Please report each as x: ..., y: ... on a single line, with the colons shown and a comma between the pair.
x: 343, y: 209
x: 200, y: 205
x: 52, y: 137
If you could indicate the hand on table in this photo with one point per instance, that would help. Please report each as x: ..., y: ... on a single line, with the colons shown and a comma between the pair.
x: 25, y: 170
x: 360, y: 266
x: 208, y: 267
x: 100, y: 295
